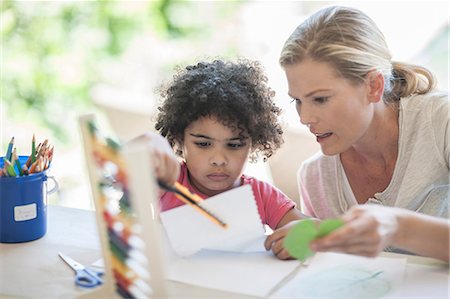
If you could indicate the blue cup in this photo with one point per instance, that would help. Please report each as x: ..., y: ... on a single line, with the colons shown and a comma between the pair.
x: 23, y: 205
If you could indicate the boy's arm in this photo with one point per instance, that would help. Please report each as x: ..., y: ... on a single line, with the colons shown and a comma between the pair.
x: 292, y: 215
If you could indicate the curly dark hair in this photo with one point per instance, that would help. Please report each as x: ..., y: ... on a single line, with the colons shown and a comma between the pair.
x: 235, y: 93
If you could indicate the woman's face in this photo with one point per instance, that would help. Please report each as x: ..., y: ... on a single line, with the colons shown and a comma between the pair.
x: 336, y: 111
x: 215, y: 155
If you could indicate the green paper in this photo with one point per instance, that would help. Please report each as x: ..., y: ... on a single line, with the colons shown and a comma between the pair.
x: 297, y: 241
x: 329, y: 225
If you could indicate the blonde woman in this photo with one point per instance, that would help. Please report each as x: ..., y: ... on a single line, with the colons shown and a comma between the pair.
x: 382, y: 127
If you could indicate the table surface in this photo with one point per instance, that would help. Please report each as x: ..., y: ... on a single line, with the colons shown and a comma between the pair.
x: 34, y: 269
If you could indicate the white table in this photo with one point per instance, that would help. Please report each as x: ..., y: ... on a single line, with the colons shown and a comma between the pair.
x: 34, y: 270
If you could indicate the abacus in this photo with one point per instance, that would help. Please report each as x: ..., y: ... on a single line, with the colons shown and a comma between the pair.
x: 124, y: 192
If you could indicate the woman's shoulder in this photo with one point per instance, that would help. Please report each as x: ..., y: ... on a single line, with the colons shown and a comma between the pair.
x: 319, y: 160
x: 432, y: 107
x: 434, y: 100
x: 317, y: 164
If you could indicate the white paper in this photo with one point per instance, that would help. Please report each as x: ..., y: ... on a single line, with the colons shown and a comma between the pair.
x: 189, y: 231
x: 254, y: 274
x: 334, y: 275
x: 426, y: 280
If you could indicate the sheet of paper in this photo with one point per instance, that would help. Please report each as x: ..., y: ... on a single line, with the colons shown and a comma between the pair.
x: 254, y: 274
x: 189, y: 231
x: 334, y: 275
x: 425, y: 281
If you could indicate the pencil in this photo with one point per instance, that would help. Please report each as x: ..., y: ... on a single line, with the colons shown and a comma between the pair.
x: 15, y: 161
x: 186, y: 192
x: 33, y: 150
x: 10, y: 168
x: 34, y: 167
x: 25, y: 169
x: 9, y: 150
x: 187, y: 197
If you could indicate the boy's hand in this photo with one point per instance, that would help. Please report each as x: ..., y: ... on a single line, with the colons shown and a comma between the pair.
x: 165, y: 162
x: 274, y: 242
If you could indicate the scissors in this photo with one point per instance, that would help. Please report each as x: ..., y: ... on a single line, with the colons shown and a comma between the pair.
x: 84, y: 277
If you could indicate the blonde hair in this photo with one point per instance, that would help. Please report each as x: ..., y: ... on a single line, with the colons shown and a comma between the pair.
x: 353, y: 45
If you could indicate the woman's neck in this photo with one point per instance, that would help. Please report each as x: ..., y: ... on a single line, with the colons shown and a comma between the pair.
x: 380, y: 143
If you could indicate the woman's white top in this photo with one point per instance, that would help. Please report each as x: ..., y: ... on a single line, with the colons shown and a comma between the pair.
x: 421, y: 178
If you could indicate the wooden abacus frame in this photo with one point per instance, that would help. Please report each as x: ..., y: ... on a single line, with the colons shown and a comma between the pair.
x: 134, y: 163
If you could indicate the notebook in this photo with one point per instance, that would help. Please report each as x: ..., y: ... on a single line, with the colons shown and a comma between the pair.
x: 125, y: 204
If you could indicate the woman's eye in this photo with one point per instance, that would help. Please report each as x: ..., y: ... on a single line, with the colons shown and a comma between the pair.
x: 320, y: 100
x: 297, y: 101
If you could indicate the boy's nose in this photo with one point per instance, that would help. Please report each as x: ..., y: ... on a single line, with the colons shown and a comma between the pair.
x: 218, y: 158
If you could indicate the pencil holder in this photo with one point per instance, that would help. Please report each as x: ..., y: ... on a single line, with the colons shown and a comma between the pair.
x: 23, y: 205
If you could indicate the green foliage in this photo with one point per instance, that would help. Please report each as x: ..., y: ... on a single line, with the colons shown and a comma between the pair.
x: 52, y: 52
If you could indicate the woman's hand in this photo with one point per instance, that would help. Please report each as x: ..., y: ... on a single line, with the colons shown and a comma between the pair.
x: 368, y: 230
x: 164, y: 160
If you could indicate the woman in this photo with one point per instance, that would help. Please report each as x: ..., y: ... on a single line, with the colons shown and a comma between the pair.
x: 382, y: 128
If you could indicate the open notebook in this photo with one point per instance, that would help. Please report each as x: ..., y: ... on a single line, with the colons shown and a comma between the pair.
x: 125, y: 204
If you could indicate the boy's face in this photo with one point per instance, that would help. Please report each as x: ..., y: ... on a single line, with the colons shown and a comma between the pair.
x: 215, y: 155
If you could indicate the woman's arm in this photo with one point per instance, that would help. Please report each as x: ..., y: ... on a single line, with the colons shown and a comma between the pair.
x: 371, y: 228
x: 424, y: 235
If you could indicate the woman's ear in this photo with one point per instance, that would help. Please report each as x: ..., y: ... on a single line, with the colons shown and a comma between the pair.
x: 375, y: 83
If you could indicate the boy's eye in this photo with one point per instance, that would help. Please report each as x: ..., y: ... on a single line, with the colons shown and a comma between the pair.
x: 236, y: 145
x: 202, y: 144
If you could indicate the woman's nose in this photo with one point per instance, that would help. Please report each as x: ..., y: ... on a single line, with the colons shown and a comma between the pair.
x: 307, y: 115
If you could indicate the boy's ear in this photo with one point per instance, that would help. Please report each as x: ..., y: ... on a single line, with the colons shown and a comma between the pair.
x: 178, y: 148
x: 375, y: 84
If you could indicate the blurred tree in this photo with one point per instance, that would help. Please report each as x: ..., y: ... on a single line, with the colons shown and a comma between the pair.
x: 52, y: 51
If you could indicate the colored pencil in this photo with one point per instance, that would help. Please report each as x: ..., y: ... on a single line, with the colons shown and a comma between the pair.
x: 10, y: 168
x: 9, y: 150
x: 191, y: 199
x: 33, y: 150
x: 15, y: 161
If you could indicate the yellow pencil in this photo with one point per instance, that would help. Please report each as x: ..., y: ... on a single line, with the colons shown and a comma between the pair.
x: 188, y: 193
x: 183, y: 194
x: 203, y: 211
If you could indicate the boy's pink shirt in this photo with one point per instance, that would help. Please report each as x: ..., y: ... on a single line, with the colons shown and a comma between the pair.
x: 272, y: 203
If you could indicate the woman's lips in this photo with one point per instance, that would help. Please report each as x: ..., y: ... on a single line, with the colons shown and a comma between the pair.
x: 322, y: 137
